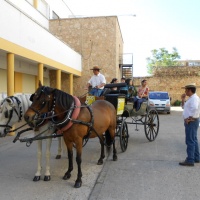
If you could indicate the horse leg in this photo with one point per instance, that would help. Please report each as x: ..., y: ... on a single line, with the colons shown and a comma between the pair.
x: 39, y: 161
x: 78, y: 181
x: 47, y: 176
x: 102, y: 155
x: 114, y: 151
x: 70, y: 158
x: 58, y: 156
x: 110, y: 139
x: 61, y: 148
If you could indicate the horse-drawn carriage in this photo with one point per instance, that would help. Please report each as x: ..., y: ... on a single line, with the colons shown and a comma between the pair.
x: 147, y: 117
x: 76, y: 122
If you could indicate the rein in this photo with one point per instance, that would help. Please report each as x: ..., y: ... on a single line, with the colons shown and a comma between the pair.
x: 65, y: 123
x: 69, y: 119
x: 36, y: 137
x: 48, y: 116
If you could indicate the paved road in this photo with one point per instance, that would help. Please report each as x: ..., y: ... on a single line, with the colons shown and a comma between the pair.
x: 18, y: 166
x: 146, y: 171
x: 150, y: 170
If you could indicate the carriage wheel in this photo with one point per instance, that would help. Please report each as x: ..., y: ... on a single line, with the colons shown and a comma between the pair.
x: 151, y: 125
x: 124, y: 135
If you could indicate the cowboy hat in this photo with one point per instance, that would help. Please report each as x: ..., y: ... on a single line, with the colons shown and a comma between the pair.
x: 95, y: 68
x: 190, y: 85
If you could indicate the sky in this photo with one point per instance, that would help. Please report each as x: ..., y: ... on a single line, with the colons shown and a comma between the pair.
x: 148, y: 25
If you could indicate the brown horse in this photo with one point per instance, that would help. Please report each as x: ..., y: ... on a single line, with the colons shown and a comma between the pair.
x: 77, y: 122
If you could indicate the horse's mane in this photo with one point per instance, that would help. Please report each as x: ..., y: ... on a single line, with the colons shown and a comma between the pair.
x: 25, y: 102
x: 63, y: 99
x: 21, y: 103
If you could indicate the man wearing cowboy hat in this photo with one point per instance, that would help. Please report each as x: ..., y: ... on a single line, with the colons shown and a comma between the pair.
x: 97, y: 82
x: 191, y: 122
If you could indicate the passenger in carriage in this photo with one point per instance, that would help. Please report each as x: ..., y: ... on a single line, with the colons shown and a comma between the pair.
x: 114, y: 80
x: 97, y: 82
x: 129, y: 89
x: 123, y: 80
x: 123, y: 88
x: 142, y: 95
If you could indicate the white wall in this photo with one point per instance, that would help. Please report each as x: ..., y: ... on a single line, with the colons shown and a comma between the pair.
x: 59, y: 7
x: 27, y: 7
x: 22, y: 30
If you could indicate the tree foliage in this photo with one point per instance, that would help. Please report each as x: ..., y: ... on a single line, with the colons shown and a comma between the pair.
x: 162, y: 58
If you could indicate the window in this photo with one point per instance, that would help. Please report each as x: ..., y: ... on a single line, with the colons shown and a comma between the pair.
x: 54, y: 15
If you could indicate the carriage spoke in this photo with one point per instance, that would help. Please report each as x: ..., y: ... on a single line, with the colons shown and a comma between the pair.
x: 150, y: 133
x: 124, y: 135
x: 151, y: 125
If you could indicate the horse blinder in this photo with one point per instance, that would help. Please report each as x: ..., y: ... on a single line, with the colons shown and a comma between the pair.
x: 6, y: 114
x: 31, y: 97
x: 41, y: 99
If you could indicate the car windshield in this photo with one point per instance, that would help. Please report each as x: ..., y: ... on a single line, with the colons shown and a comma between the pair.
x: 158, y: 95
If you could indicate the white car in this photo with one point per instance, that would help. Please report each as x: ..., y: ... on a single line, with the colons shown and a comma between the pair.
x: 160, y: 101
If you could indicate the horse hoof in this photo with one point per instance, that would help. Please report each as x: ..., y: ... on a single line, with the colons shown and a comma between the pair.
x: 36, y: 178
x: 58, y: 157
x: 66, y: 176
x: 47, y: 178
x: 78, y: 184
x: 100, y: 162
x: 114, y: 158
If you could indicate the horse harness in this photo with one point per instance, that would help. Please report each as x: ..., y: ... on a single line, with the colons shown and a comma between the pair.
x: 69, y: 119
x: 9, y: 113
x: 70, y: 116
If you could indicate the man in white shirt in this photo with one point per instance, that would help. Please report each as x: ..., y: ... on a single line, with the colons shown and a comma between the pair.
x: 97, y: 82
x: 191, y: 122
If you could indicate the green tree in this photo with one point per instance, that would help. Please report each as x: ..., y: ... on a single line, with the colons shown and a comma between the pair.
x: 162, y: 58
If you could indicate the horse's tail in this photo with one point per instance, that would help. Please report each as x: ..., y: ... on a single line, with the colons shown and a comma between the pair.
x: 108, y: 138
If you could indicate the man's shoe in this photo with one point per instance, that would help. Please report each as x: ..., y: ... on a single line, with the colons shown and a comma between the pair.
x: 197, y: 161
x: 185, y: 163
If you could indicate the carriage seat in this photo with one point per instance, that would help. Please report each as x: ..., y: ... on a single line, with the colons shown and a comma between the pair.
x: 118, y: 101
x: 130, y: 111
x: 108, y: 89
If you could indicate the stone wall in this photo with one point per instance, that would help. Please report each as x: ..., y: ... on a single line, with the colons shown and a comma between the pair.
x: 171, y: 79
x: 98, y: 40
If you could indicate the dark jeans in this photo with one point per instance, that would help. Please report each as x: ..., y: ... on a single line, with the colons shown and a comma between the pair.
x: 96, y: 92
x: 137, y: 102
x: 192, y: 141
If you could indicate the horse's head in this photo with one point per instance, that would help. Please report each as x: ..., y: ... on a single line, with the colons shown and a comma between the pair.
x: 10, y: 113
x: 42, y: 106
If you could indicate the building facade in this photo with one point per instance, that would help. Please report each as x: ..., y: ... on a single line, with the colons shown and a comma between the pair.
x: 28, y: 51
x: 98, y: 40
x: 38, y: 42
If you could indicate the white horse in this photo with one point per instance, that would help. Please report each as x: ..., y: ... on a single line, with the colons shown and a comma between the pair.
x: 12, y: 110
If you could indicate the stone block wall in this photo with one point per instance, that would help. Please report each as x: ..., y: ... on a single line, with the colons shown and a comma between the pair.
x: 98, y: 40
x: 171, y: 79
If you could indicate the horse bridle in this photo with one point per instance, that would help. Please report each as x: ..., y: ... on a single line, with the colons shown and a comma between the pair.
x: 51, y: 113
x: 9, y: 114
x: 41, y: 118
